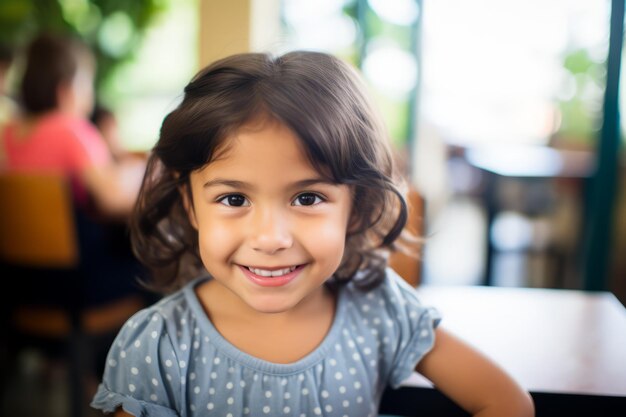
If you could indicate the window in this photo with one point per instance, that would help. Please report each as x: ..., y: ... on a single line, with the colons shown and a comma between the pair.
x: 524, y: 72
x: 145, y: 89
x: 378, y: 36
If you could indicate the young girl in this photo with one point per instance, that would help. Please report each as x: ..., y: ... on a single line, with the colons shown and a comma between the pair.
x: 276, y: 174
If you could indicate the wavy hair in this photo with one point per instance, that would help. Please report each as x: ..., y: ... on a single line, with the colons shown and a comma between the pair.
x: 324, y: 101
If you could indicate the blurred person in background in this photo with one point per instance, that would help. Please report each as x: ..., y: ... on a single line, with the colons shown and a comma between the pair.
x: 7, y: 103
x: 106, y: 122
x: 51, y: 133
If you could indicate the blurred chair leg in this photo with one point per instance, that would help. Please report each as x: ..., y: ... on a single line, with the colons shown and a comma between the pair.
x: 76, y: 365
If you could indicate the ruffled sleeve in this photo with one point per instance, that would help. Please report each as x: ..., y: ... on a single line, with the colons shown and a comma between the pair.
x: 142, y: 373
x: 414, y: 326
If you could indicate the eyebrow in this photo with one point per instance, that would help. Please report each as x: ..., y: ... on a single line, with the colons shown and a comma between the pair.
x: 247, y: 186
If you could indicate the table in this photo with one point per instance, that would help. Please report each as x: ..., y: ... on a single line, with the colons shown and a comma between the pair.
x: 566, y: 347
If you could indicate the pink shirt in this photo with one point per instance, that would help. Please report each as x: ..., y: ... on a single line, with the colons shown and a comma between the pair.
x: 60, y: 144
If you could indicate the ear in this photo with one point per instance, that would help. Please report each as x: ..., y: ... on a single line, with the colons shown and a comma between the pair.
x: 65, y: 99
x: 187, y: 196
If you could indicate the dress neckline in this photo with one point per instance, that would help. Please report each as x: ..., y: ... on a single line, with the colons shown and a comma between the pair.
x: 227, y: 348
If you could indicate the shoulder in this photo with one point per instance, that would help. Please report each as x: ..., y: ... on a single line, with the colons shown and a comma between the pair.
x: 393, y: 309
x: 69, y: 128
x: 164, y: 321
x: 393, y: 294
x: 147, y: 358
x: 77, y: 126
x: 148, y: 327
x: 404, y: 324
x: 160, y: 332
x: 78, y: 137
x: 405, y: 301
x: 172, y: 319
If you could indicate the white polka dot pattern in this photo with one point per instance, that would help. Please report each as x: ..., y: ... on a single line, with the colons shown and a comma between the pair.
x: 172, y: 348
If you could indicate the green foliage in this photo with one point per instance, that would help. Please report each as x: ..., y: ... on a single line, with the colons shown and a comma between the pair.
x: 578, y: 62
x: 581, y: 111
x: 112, y: 28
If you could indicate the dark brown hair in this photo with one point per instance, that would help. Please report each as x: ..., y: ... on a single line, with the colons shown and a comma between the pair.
x: 51, y: 60
x: 322, y: 99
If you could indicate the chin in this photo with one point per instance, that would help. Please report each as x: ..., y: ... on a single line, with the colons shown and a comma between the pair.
x: 270, y: 306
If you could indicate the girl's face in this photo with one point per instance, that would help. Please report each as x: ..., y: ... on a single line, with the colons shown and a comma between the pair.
x: 271, y: 229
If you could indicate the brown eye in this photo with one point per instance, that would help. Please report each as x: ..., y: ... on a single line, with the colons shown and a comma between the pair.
x: 234, y: 200
x: 307, y: 199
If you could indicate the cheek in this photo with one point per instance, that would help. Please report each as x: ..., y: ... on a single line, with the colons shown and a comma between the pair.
x: 217, y: 242
x: 326, y: 241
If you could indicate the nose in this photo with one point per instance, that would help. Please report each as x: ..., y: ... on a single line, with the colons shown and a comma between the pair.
x: 270, y: 231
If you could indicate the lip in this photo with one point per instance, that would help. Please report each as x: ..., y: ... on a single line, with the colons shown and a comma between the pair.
x: 271, y: 281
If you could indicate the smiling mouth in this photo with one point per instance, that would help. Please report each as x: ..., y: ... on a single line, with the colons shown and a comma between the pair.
x: 271, y: 272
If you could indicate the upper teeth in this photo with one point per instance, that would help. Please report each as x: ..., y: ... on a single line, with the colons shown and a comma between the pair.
x: 275, y: 273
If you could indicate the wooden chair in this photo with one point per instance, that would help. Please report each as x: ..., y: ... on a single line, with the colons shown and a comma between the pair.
x: 406, y: 266
x: 40, y: 254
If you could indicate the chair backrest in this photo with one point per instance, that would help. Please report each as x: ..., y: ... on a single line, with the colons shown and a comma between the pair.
x: 406, y: 266
x: 37, y: 225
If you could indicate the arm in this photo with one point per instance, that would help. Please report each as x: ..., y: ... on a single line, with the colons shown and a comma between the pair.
x: 121, y: 413
x: 472, y: 380
x: 115, y: 187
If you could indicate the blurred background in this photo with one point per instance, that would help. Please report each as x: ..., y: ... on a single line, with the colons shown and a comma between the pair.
x: 505, y: 114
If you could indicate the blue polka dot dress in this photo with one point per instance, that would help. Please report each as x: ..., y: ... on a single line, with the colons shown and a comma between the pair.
x: 169, y: 360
